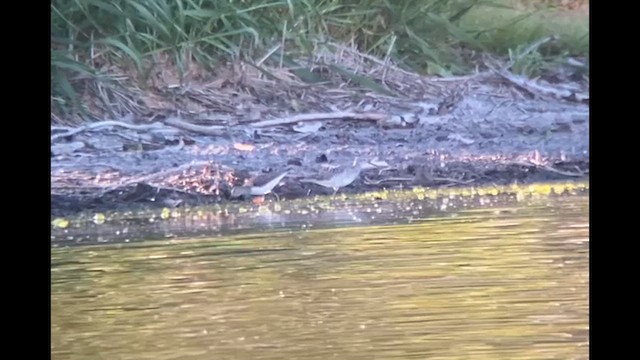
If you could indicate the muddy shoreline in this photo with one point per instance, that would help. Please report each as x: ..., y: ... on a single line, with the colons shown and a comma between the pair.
x: 476, y: 131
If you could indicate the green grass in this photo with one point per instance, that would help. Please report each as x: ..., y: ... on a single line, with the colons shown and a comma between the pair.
x: 504, y: 29
x: 511, y: 30
x: 98, y: 45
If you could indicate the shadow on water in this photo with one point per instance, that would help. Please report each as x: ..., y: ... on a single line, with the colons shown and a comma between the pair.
x: 494, y: 282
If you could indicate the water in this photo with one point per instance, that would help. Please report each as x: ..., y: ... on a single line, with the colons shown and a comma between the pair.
x: 508, y: 283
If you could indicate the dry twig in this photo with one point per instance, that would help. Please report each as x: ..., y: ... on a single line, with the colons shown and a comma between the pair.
x: 164, y: 173
x: 552, y: 169
x: 108, y: 123
x: 321, y: 116
x: 206, y: 130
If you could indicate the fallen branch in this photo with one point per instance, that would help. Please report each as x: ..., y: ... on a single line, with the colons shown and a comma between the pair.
x: 539, y: 89
x: 451, y: 180
x: 477, y: 75
x: 552, y: 169
x: 532, y: 86
x: 321, y: 116
x: 148, y: 177
x: 206, y: 130
x: 378, y: 182
x: 108, y: 123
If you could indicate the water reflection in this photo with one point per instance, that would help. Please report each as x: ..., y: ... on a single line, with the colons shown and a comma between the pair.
x: 509, y: 283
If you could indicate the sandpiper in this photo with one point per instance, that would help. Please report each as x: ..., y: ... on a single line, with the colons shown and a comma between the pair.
x: 342, y: 179
x: 261, y: 186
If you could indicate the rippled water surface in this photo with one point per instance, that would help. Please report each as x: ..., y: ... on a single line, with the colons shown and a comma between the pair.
x: 508, y: 283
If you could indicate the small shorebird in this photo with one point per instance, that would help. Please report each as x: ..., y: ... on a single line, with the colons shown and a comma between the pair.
x: 261, y: 186
x: 342, y: 179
